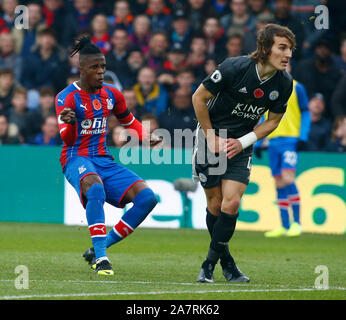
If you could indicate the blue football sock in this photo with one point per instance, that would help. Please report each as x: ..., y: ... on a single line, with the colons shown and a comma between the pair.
x: 143, y: 204
x: 294, y: 199
x: 283, y: 206
x: 96, y: 219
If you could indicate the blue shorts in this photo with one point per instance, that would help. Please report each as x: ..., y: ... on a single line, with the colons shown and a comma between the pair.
x: 116, y: 179
x: 282, y: 156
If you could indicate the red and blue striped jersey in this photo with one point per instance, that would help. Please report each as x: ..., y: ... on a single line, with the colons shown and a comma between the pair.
x: 87, y: 137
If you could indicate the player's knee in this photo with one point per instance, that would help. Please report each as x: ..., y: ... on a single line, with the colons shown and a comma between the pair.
x: 230, y: 206
x: 214, y: 204
x: 288, y: 179
x: 96, y: 192
x: 146, y: 199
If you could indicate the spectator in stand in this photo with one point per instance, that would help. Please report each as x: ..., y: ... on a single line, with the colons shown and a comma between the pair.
x: 181, y: 32
x: 118, y: 137
x: 37, y: 116
x: 131, y: 101
x: 54, y: 14
x: 209, y: 66
x: 284, y: 17
x: 122, y: 17
x: 180, y: 115
x: 304, y: 12
x: 338, y: 100
x: 159, y: 15
x: 8, y: 57
x: 234, y: 45
x: 320, y: 127
x: 198, y: 10
x: 42, y: 66
x: 67, y: 69
x: 340, y: 60
x: 319, y: 74
x: 249, y: 43
x: 7, y: 87
x: 50, y: 133
x: 8, y: 8
x: 186, y: 79
x: 116, y: 59
x: 78, y: 20
x: 239, y: 19
x: 141, y: 33
x: 25, y: 39
x: 158, y: 45
x: 215, y: 38
x: 18, y: 113
x: 176, y: 60
x: 339, y: 144
x: 257, y: 7
x: 150, y: 95
x: 219, y: 8
x: 150, y: 122
x: 135, y: 61
x: 5, y: 133
x: 100, y: 36
x: 198, y: 51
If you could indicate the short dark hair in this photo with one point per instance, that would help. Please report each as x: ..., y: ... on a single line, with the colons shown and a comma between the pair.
x: 84, y: 46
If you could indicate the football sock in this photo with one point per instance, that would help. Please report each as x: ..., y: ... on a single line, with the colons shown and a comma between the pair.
x: 96, y: 218
x: 143, y: 203
x: 294, y: 199
x: 283, y: 206
x: 222, y: 232
x: 210, y: 221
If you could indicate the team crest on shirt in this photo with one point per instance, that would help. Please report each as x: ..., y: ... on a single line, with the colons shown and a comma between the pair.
x: 202, y: 177
x: 274, y: 95
x: 258, y: 93
x: 97, y: 104
x: 109, y: 104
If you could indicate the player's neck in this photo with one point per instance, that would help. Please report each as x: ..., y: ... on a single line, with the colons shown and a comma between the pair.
x: 85, y: 87
x: 265, y: 71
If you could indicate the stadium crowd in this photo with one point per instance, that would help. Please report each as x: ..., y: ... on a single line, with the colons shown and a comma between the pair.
x: 157, y: 52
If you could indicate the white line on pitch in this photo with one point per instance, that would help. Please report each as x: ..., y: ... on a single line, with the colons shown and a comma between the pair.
x: 153, y: 293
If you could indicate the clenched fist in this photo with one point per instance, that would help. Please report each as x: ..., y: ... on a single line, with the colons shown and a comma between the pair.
x: 68, y: 116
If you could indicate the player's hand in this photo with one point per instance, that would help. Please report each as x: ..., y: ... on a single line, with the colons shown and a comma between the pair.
x: 216, y: 144
x: 68, y: 116
x: 233, y: 147
x: 154, y: 140
x: 301, y: 145
x: 258, y: 152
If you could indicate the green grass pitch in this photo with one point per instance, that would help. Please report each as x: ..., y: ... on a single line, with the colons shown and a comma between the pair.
x: 163, y: 264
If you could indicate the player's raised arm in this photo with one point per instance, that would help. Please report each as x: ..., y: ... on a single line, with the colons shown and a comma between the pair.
x: 66, y: 119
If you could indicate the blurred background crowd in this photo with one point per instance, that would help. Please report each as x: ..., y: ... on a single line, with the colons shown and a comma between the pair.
x: 157, y: 53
